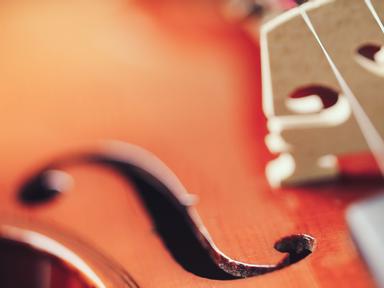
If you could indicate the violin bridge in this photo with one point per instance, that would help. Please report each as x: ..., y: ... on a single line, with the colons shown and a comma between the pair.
x: 310, y: 121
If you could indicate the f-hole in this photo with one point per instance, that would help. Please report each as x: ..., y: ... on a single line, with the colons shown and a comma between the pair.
x: 169, y: 205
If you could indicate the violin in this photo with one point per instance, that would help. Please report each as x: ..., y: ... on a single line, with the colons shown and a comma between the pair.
x: 169, y: 144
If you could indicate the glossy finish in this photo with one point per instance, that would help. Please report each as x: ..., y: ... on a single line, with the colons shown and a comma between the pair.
x: 177, y: 79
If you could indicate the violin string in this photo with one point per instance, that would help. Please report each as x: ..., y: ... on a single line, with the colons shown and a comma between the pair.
x: 374, y: 14
x: 373, y: 138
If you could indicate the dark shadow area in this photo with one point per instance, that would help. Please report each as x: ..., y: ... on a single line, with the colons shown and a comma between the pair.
x: 369, y: 51
x: 23, y: 266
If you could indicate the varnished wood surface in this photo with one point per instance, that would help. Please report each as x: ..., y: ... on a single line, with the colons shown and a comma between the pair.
x: 183, y: 83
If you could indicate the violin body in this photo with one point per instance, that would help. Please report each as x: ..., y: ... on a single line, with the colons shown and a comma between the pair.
x: 181, y: 81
